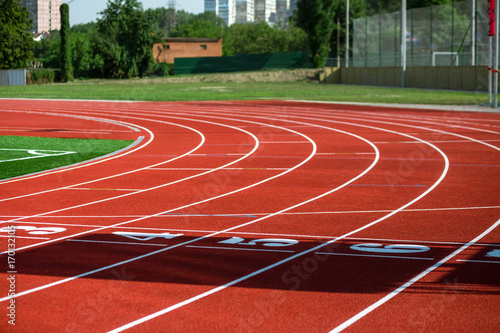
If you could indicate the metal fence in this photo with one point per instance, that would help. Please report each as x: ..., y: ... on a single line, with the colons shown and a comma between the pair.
x: 445, y: 35
x: 14, y: 77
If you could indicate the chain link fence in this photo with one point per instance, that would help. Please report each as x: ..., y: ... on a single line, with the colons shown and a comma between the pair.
x: 444, y: 35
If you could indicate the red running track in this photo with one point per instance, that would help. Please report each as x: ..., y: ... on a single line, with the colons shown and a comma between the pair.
x: 255, y: 216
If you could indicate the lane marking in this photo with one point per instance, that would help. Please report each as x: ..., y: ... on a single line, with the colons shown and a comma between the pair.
x: 238, y: 249
x: 257, y: 214
x: 415, y: 185
x: 111, y: 242
x: 374, y: 256
x: 229, y: 284
x: 204, y: 169
x: 36, y: 153
x: 394, y: 293
x: 284, y: 142
x: 119, y: 153
x: 480, y: 261
x: 104, y: 189
x: 24, y: 237
x: 223, y: 195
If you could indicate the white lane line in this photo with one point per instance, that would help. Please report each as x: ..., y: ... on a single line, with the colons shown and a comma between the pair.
x: 346, y: 153
x: 377, y: 157
x: 437, y: 141
x: 257, y: 234
x: 373, y: 256
x: 29, y: 291
x: 145, y: 190
x: 480, y: 261
x: 104, y: 189
x: 254, y: 214
x: 234, y: 282
x: 204, y: 169
x: 23, y: 237
x: 284, y: 142
x: 117, y: 175
x: 394, y: 293
x: 101, y: 159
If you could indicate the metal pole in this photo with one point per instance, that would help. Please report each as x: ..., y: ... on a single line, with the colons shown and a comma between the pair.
x: 495, y: 71
x: 338, y: 41
x: 347, y: 36
x: 490, y: 67
x: 403, y: 41
x: 473, y: 34
x: 452, y: 29
x: 380, y: 41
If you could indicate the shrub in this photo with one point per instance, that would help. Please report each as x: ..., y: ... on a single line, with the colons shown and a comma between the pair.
x: 40, y: 76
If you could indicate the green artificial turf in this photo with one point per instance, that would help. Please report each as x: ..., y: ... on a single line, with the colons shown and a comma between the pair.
x: 16, y: 160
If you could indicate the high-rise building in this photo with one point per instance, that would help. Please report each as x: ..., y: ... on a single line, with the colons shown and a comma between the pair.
x: 225, y: 9
x: 282, y: 10
x: 265, y: 10
x: 245, y: 11
x: 45, y: 14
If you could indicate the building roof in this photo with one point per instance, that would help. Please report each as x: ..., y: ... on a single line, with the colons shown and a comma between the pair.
x: 192, y: 40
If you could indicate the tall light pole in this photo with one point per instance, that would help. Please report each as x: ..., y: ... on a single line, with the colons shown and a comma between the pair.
x: 347, y: 36
x: 403, y: 41
x: 495, y: 70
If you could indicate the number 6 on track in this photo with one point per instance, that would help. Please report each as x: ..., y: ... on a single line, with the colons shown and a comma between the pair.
x: 396, y: 248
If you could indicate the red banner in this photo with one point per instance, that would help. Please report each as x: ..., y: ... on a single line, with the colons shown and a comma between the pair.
x: 491, y: 12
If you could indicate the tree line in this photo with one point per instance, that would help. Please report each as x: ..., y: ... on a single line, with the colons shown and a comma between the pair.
x: 119, y: 44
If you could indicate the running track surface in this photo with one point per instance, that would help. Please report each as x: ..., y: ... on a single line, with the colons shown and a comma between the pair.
x: 255, y: 217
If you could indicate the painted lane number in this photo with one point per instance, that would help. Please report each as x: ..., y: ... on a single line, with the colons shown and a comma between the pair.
x: 145, y: 236
x: 390, y: 249
x: 493, y: 254
x: 269, y: 242
x: 35, y: 230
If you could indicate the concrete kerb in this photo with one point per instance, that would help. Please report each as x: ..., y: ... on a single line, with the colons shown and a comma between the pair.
x: 430, y: 107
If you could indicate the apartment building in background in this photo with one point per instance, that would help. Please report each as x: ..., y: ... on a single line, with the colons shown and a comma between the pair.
x: 265, y: 10
x: 226, y: 9
x: 45, y: 14
x: 248, y: 11
x: 245, y: 12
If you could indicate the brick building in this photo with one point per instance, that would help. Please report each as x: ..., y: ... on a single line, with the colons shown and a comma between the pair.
x: 186, y: 48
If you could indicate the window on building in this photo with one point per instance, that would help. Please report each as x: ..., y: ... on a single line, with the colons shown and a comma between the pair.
x: 203, y: 47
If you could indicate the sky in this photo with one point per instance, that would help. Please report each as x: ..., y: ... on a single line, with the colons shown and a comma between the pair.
x: 85, y: 11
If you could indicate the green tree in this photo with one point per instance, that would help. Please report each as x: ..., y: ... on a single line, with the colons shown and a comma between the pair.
x: 124, y: 40
x: 16, y: 41
x: 260, y: 37
x: 204, y: 25
x: 316, y: 18
x: 65, y: 54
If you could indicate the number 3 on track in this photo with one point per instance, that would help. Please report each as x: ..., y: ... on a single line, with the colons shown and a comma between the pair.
x: 35, y: 230
x: 390, y: 249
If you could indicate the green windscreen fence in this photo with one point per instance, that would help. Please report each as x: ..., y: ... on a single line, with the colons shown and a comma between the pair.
x: 242, y: 63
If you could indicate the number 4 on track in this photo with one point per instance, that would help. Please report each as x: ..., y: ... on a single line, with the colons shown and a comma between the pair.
x: 145, y: 236
x: 494, y: 254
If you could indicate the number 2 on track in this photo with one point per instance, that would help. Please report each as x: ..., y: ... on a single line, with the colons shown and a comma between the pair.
x: 269, y: 242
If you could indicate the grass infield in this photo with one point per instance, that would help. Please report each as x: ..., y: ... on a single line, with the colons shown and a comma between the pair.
x: 154, y: 90
x: 26, y: 155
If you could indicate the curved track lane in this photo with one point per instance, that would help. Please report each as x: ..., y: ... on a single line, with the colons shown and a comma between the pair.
x: 247, y: 216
